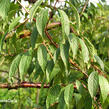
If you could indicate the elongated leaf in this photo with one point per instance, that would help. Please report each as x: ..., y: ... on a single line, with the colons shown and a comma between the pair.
x: 85, y: 52
x: 14, y: 66
x: 14, y: 23
x: 34, y: 9
x: 93, y: 83
x: 42, y: 57
x: 90, y: 47
x: 25, y: 63
x: 80, y: 88
x: 73, y: 40
x: 2, y: 41
x: 56, y: 54
x: 64, y: 51
x: 104, y: 87
x: 86, y: 98
x: 53, y: 95
x: 4, y: 8
x: 34, y: 37
x: 76, y: 13
x: 62, y: 104
x: 54, y: 72
x: 49, y: 69
x: 68, y: 93
x: 99, y: 61
x: 79, y: 101
x: 65, y: 23
x: 41, y: 21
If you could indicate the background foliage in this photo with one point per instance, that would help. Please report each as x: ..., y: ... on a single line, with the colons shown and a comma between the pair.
x: 56, y: 56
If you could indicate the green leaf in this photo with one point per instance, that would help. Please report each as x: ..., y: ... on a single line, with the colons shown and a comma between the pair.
x: 14, y: 66
x: 93, y: 83
x: 34, y: 9
x: 73, y: 40
x: 86, y: 98
x: 100, y: 62
x: 104, y: 87
x: 68, y: 94
x: 4, y: 8
x: 41, y: 21
x: 85, y: 52
x: 25, y: 63
x: 2, y: 41
x: 56, y: 54
x: 53, y: 95
x: 103, y: 0
x: 90, y: 47
x: 42, y: 57
x: 65, y: 23
x: 49, y: 69
x: 80, y: 88
x: 87, y: 101
x: 54, y: 72
x: 64, y: 51
x: 14, y: 23
x: 34, y: 37
x: 79, y: 101
x: 76, y: 13
x: 62, y: 104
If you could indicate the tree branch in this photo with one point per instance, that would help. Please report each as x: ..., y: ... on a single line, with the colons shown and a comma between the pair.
x: 26, y: 85
x: 23, y: 85
x: 85, y: 5
x: 22, y: 6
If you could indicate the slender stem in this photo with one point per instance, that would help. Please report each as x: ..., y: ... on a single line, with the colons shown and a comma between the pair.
x: 85, y: 5
x: 22, y: 6
x: 48, y: 50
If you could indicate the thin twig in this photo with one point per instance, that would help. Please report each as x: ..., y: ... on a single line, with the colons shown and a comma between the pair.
x: 76, y: 65
x: 83, y: 9
x: 98, y: 70
x: 22, y: 6
x: 48, y: 50
x: 55, y: 4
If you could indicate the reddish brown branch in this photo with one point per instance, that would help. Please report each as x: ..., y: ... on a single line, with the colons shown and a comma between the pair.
x: 98, y: 70
x: 52, y: 25
x: 26, y: 85
x: 48, y: 50
x: 50, y: 38
x: 23, y: 85
x: 76, y: 65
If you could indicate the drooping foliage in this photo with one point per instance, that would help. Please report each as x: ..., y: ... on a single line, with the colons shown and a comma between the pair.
x: 60, y: 47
